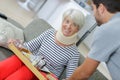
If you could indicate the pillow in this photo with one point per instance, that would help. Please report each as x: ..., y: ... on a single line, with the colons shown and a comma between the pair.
x: 7, y: 31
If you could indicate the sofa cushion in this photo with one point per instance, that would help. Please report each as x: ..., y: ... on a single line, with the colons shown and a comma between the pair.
x: 35, y: 28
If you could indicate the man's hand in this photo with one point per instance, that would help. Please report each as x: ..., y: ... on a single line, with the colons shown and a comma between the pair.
x: 85, y: 70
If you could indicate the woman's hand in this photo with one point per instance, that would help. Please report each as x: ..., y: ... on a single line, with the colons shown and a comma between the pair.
x: 11, y: 41
x: 18, y: 43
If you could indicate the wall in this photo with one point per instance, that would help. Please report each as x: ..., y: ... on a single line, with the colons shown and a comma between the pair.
x: 55, y: 20
x: 49, y: 8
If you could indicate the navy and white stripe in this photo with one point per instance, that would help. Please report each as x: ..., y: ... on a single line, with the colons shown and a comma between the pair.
x: 55, y: 56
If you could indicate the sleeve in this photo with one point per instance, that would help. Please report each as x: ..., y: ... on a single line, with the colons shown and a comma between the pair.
x: 104, y: 44
x: 72, y: 64
x: 35, y: 43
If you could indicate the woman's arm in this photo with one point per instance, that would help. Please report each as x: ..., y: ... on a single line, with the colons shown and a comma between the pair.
x: 35, y: 43
x: 72, y: 64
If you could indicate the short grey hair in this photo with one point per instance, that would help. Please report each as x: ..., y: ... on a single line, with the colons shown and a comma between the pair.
x: 76, y: 15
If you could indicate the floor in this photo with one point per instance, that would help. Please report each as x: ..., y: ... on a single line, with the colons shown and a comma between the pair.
x: 12, y: 9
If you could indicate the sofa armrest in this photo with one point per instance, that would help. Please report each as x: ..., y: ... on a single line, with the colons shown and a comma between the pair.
x: 4, y: 52
x: 32, y: 30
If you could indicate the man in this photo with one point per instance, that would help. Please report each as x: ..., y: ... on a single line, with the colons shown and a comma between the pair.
x: 106, y: 43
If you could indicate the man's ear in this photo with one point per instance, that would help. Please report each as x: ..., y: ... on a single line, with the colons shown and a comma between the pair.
x: 102, y: 9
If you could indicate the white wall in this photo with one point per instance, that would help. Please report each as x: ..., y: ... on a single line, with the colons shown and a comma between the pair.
x: 89, y: 23
x: 55, y: 20
x: 49, y: 8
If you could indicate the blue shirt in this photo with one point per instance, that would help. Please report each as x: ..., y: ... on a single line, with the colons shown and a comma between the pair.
x: 106, y: 45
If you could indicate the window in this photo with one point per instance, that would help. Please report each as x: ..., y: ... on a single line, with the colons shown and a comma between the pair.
x: 36, y: 5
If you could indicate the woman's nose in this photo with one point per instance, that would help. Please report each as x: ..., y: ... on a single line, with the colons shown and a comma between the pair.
x: 69, y: 25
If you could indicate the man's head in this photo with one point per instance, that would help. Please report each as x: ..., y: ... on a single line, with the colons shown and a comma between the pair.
x: 104, y: 9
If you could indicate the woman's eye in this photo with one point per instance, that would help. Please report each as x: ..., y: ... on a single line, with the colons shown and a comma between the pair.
x: 75, y: 25
x: 67, y: 21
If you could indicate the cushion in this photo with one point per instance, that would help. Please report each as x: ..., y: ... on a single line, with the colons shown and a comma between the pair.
x: 39, y: 26
x: 8, y: 30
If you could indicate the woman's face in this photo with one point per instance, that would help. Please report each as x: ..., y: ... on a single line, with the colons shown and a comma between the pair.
x: 69, y: 27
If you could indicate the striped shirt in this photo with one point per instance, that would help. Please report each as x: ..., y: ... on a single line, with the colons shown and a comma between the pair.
x: 55, y: 56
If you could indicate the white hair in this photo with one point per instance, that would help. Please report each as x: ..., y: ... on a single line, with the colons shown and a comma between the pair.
x: 76, y: 15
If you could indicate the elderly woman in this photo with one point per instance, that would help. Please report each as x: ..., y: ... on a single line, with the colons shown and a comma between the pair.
x: 57, y: 47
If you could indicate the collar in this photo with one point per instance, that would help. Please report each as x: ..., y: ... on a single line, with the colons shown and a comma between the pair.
x: 116, y: 15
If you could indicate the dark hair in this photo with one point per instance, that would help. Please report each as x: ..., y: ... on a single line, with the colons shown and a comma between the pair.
x: 111, y: 5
